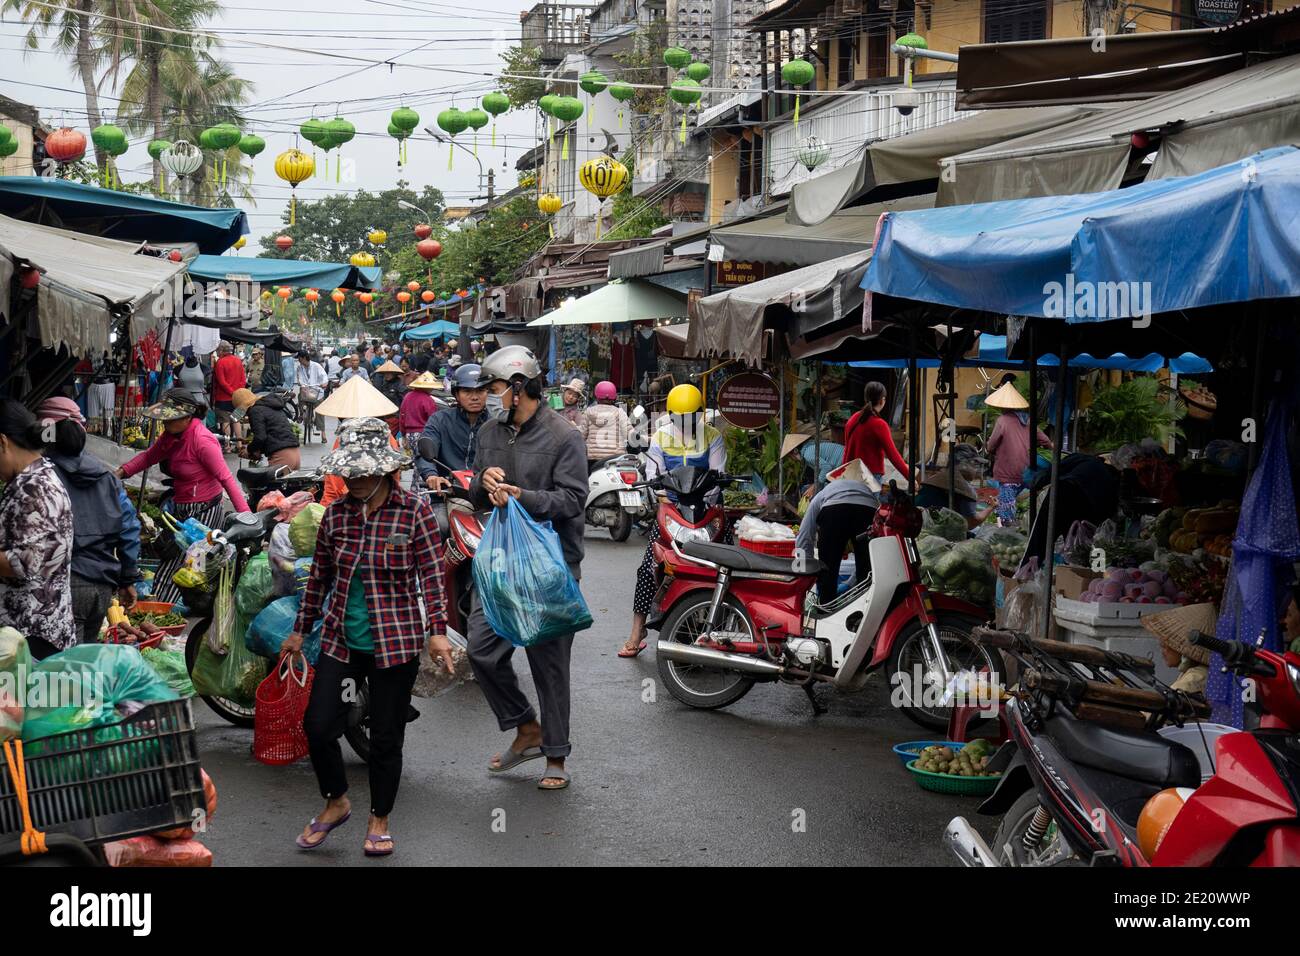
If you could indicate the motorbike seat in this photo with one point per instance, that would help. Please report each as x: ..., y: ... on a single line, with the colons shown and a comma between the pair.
x: 241, y: 528
x: 257, y: 477
x: 742, y: 559
x: 1144, y: 757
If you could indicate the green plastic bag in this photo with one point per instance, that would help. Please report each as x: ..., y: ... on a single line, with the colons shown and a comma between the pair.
x: 255, y: 588
x: 233, y: 675
x: 80, y: 688
x: 303, y: 529
x: 170, y: 666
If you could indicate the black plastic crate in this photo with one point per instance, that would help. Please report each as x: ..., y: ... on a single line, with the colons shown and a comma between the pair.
x: 137, y: 776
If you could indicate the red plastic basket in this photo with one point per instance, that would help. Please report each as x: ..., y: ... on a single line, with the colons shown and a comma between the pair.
x: 113, y: 636
x: 278, y: 736
x: 780, y: 549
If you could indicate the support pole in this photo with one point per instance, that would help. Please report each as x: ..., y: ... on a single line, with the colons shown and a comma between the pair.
x: 1061, y: 376
x: 913, y: 446
x: 817, y: 428
x: 1033, y: 419
x: 1256, y: 400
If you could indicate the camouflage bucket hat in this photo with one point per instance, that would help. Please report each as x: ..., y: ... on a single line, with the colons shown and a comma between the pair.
x: 364, y: 451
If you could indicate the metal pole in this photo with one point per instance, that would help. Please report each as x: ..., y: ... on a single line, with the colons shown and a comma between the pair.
x: 1049, y: 549
x: 913, y: 391
x: 153, y: 425
x: 1033, y: 420
x: 817, y: 428
x: 952, y: 427
x: 1256, y: 400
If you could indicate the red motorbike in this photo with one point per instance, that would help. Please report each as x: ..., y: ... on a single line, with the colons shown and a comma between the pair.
x: 730, y: 617
x: 461, y: 529
x: 1077, y: 792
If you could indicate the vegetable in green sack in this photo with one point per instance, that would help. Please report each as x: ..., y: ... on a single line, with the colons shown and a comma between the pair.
x: 234, y: 675
x: 170, y: 666
x: 943, y: 522
x: 303, y: 529
x: 256, y: 587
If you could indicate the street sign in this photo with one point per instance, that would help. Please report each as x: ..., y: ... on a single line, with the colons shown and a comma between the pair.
x: 749, y: 400
x: 1218, y: 11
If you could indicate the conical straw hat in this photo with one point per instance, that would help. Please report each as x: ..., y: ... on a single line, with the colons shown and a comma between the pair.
x: 356, y: 398
x: 1007, y: 398
x: 389, y: 366
x: 1175, y: 626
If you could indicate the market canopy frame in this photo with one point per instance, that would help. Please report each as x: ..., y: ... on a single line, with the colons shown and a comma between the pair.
x: 630, y: 300
x: 299, y: 273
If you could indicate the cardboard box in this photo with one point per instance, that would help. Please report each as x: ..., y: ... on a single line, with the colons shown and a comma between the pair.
x: 1070, y: 582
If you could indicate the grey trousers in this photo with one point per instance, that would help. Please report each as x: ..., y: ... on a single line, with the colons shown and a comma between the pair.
x: 90, y: 603
x: 489, y: 658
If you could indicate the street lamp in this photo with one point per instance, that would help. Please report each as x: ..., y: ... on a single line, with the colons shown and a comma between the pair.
x: 451, y: 142
x: 411, y: 205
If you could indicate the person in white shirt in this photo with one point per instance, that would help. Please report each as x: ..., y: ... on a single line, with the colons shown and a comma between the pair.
x: 309, y: 375
x: 333, y: 365
x: 353, y: 367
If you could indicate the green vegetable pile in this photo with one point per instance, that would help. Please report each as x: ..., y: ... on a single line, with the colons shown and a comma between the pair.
x: 943, y: 522
x: 170, y: 619
x: 971, y: 761
x: 736, y: 498
x: 963, y: 569
x: 1008, y: 547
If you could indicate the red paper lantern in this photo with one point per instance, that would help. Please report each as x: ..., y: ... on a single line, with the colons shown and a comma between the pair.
x: 1140, y: 140
x: 29, y: 278
x: 65, y: 145
x: 413, y: 286
x: 174, y: 255
x: 283, y: 242
x: 429, y: 249
x: 422, y: 231
x: 427, y: 296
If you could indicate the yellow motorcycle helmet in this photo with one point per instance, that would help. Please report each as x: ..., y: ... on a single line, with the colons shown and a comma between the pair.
x: 685, y: 400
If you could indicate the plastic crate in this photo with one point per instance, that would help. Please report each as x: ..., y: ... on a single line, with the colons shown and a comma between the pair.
x: 780, y: 549
x: 134, y: 777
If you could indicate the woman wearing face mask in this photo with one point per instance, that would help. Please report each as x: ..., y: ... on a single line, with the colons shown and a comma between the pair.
x: 377, y: 549
x: 191, y: 456
x: 36, y: 535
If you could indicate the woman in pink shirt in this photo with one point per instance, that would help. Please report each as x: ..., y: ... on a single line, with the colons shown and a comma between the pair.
x: 417, y: 406
x: 191, y: 456
x: 1009, y: 446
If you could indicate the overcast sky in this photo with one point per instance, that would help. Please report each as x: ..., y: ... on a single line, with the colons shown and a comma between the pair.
x: 458, y: 44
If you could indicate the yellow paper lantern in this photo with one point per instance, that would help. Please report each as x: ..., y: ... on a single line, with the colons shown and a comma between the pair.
x: 241, y: 242
x: 549, y: 203
x: 362, y: 260
x: 377, y: 236
x: 294, y: 166
x: 603, y: 176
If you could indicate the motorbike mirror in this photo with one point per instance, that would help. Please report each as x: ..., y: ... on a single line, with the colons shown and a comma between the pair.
x: 427, y: 449
x: 638, y: 412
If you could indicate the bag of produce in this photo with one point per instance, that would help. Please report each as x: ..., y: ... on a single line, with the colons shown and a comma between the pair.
x: 433, y: 680
x: 303, y: 528
x: 292, y: 505
x: 15, y: 665
x: 943, y: 522
x: 233, y: 675
x: 281, y: 555
x: 256, y: 588
x: 269, y: 629
x: 170, y: 666
x: 152, y: 851
x: 87, y: 686
x: 526, y: 590
x: 270, y: 500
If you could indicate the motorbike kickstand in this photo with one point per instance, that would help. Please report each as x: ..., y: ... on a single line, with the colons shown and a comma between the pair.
x: 818, y: 709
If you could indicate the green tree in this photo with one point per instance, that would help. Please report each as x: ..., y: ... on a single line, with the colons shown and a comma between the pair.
x: 643, y: 63
x: 522, y: 61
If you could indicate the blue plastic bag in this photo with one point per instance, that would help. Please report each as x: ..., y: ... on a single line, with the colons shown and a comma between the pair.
x: 526, y: 590
x: 274, y: 623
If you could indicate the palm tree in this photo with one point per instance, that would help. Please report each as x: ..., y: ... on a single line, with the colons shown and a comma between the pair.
x: 87, y: 31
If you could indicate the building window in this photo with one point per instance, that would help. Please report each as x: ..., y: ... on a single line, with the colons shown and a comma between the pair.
x: 847, y: 51
x: 1006, y: 21
x: 878, y: 52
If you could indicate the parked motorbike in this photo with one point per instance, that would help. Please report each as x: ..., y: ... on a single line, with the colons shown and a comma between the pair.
x: 1079, y: 787
x: 260, y: 481
x: 614, y: 500
x: 732, y: 617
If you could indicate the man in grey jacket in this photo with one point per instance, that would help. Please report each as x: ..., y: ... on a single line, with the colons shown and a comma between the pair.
x: 527, y: 452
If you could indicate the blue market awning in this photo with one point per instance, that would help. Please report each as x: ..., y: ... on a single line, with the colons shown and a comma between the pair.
x: 118, y: 215
x: 993, y: 354
x: 1231, y: 234
x: 293, y: 272
x: 437, y: 329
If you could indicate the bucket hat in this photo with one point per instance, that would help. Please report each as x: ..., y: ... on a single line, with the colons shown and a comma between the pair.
x: 364, y: 451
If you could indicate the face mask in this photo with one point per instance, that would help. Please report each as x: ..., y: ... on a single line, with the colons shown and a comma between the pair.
x: 495, y: 408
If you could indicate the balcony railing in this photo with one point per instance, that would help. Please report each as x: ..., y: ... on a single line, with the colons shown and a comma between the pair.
x: 849, y: 122
x: 556, y: 29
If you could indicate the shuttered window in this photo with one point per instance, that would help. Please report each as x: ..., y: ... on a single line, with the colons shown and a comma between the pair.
x: 1006, y: 21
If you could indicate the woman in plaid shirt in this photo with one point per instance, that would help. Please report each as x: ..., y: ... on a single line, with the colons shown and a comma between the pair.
x: 378, y: 549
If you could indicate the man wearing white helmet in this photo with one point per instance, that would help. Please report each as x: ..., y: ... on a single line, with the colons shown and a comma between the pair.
x: 528, y: 452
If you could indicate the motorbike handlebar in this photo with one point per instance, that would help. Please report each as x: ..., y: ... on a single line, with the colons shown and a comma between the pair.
x: 1082, y: 690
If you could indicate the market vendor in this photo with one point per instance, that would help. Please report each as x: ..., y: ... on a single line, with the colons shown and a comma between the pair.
x: 1088, y: 491
x: 378, y: 552
x: 36, y: 537
x: 191, y: 456
x: 1009, y: 447
x: 271, y: 432
x: 1174, y: 629
x: 838, y: 516
x: 933, y: 493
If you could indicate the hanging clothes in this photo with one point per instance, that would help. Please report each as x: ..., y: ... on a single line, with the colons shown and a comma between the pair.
x: 622, y: 358
x: 645, y: 346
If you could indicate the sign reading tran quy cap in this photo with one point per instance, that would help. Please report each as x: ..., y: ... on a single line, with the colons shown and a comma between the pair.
x: 749, y: 400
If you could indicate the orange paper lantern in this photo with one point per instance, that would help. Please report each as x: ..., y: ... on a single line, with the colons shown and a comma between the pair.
x: 427, y: 296
x: 312, y: 296
x: 338, y: 295
x: 413, y: 286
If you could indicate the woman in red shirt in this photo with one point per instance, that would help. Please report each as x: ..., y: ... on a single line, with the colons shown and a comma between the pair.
x: 867, y: 435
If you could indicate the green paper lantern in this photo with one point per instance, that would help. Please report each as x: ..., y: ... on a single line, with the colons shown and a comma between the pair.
x: 5, y: 133
x: 477, y: 119
x: 914, y: 40
x: 452, y: 121
x: 251, y: 145
x: 205, y: 140
x: 107, y: 137
x: 118, y: 148
x: 156, y: 147
x: 699, y: 72
x: 405, y: 118
x: 8, y: 147
x: 593, y: 82
x: 676, y: 57
x: 547, y: 103
x: 685, y: 91
x: 340, y: 130
x: 397, y: 132
x: 567, y: 109
x: 313, y: 130
x: 496, y: 103
x: 622, y: 91
x: 225, y: 135
x: 798, y: 73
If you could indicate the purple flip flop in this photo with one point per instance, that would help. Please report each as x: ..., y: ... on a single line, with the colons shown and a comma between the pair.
x: 317, y: 827
x: 372, y: 839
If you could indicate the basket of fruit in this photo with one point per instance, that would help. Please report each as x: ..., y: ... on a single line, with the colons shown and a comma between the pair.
x: 911, y: 749
x: 944, y: 769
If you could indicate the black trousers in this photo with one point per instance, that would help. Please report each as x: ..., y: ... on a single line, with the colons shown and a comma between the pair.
x: 326, y: 718
x: 837, y: 526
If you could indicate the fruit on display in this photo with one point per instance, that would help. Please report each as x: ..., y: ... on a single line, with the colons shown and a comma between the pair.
x: 1008, y: 547
x: 1134, y: 586
x: 972, y: 760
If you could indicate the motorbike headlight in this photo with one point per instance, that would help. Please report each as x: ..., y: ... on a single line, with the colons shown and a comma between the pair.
x: 683, y: 535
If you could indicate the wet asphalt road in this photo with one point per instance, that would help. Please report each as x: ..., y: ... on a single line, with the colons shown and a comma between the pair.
x: 763, y: 782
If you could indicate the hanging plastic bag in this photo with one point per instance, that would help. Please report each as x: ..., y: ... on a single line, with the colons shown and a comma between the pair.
x: 269, y: 629
x: 526, y: 590
x: 15, y: 664
x: 233, y: 675
x: 256, y: 588
x: 282, y: 557
x: 278, y: 737
x: 303, y: 529
x: 294, y: 504
x: 433, y: 680
x: 270, y: 500
x: 223, y: 612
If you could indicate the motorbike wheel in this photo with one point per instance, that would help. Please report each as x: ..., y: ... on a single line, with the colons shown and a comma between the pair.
x: 1008, y: 842
x: 962, y: 653
x: 228, y: 710
x: 357, y: 729
x: 703, y: 687
x: 623, y: 528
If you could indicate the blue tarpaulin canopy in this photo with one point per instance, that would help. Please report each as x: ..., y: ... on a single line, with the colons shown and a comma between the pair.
x: 437, y: 329
x: 1231, y: 234
x: 293, y: 272
x: 119, y: 215
x: 993, y: 354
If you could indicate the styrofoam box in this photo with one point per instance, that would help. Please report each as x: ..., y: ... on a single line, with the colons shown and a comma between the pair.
x: 1084, y: 612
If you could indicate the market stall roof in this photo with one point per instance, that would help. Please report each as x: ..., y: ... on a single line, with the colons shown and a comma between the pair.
x: 773, y: 239
x: 1218, y: 121
x: 1134, y: 66
x: 119, y: 215
x: 87, y: 283
x: 1123, y: 254
x: 993, y: 354
x: 295, y: 272
x: 437, y: 329
x: 630, y: 300
x: 915, y: 158
x: 731, y: 323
